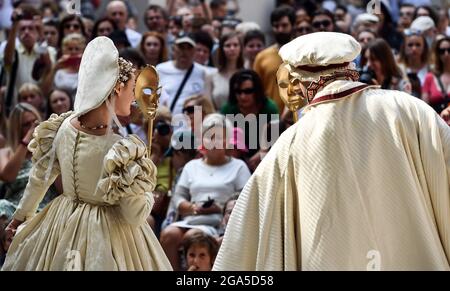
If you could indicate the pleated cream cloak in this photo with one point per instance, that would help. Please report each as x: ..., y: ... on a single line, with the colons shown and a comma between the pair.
x: 359, y: 183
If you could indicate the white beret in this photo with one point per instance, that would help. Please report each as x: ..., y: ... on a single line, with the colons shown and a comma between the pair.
x: 320, y: 49
x: 422, y: 24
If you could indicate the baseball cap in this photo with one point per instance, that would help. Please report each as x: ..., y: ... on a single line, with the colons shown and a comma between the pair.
x: 185, y: 39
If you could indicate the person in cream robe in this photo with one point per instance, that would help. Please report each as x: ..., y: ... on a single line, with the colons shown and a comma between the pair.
x: 360, y: 182
x: 99, y: 222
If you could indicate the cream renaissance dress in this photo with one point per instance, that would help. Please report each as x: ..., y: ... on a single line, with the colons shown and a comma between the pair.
x: 359, y: 183
x: 99, y: 222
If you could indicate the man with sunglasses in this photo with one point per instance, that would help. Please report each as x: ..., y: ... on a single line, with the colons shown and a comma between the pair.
x: 162, y: 134
x: 323, y: 20
x: 361, y: 182
x: 406, y: 16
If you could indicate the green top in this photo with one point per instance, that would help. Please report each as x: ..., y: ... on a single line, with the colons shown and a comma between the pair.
x: 269, y: 108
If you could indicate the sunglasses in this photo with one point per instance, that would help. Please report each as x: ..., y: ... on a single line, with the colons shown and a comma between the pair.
x: 245, y: 91
x: 319, y: 24
x: 74, y: 26
x: 443, y: 50
x: 189, y: 110
x: 162, y: 128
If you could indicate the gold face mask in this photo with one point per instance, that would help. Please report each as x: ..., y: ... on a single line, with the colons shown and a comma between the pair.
x: 147, y: 91
x: 290, y: 89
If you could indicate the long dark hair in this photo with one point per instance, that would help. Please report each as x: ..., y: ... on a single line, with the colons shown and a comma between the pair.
x: 100, y: 21
x: 247, y: 75
x: 438, y: 65
x: 381, y: 51
x: 66, y: 19
x: 222, y: 59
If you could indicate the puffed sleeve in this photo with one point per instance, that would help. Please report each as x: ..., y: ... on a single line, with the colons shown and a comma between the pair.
x: 130, y: 178
x: 45, y: 166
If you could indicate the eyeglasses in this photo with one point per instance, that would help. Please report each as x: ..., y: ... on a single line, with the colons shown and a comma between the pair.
x: 163, y: 128
x: 189, y: 110
x: 443, y: 50
x: 245, y: 91
x: 74, y: 26
x: 319, y: 24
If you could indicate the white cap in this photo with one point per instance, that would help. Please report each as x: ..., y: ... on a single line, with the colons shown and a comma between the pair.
x: 422, y: 23
x: 247, y: 26
x: 185, y: 39
x: 320, y: 49
x: 366, y: 17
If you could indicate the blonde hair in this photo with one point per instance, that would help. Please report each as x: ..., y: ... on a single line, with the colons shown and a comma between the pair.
x: 15, y: 123
x: 74, y: 37
x: 30, y: 87
x: 200, y: 100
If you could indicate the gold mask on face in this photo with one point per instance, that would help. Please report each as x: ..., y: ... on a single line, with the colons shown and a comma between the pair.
x: 290, y: 89
x: 147, y: 91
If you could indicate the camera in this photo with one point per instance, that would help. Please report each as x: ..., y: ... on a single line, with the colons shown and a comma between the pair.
x: 208, y: 203
x: 366, y: 76
x: 17, y: 17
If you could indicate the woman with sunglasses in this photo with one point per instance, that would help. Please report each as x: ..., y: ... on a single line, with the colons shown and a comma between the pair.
x: 204, y: 187
x: 70, y: 23
x: 413, y: 59
x: 15, y: 159
x: 247, y: 98
x: 436, y: 88
x: 205, y: 106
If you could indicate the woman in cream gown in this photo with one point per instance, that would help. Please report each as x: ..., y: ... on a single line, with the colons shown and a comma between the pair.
x: 99, y: 222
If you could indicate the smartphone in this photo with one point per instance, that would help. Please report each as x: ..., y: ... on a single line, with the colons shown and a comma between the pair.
x: 208, y: 203
x: 73, y: 61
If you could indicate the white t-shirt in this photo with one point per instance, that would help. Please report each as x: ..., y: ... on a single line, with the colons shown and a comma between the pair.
x: 215, y: 182
x: 170, y: 80
x: 200, y: 182
x: 66, y: 81
x: 134, y: 37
